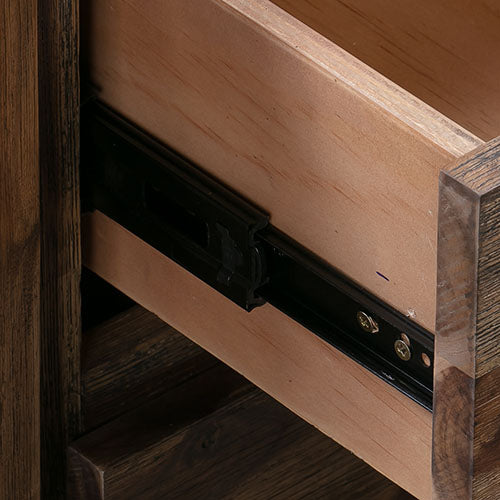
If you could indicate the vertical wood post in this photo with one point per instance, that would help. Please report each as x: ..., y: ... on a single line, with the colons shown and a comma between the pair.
x: 466, y: 435
x: 19, y: 253
x: 60, y: 242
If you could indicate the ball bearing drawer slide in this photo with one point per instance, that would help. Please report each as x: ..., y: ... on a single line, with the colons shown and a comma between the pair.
x: 229, y: 243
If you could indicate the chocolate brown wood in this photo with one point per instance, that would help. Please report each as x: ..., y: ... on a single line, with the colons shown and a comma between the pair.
x: 218, y: 438
x: 132, y: 359
x: 466, y: 441
x: 60, y: 224
x: 19, y: 253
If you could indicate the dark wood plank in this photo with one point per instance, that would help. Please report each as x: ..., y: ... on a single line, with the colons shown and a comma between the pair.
x: 131, y: 359
x: 216, y: 437
x: 60, y: 222
x: 466, y: 442
x: 19, y: 253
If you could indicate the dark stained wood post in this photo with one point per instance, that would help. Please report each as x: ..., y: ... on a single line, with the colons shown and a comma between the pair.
x: 19, y: 253
x: 466, y: 440
x: 58, y: 27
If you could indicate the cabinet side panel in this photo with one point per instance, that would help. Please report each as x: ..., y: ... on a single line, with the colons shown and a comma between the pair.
x: 19, y: 253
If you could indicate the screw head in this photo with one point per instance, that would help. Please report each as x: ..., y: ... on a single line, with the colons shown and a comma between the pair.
x: 402, y: 350
x: 366, y: 322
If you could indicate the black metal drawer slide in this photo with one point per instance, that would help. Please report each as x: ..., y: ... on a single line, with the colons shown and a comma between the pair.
x: 230, y: 244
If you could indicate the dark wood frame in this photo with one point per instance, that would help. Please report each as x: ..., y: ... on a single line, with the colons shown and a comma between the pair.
x: 466, y: 428
x: 59, y: 87
x: 39, y: 245
x: 19, y: 252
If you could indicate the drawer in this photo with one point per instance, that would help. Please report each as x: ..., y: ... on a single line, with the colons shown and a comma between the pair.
x: 344, y: 160
x: 334, y: 117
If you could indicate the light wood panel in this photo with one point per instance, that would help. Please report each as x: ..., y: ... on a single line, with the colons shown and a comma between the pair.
x: 327, y: 389
x: 58, y: 25
x: 466, y: 451
x: 345, y: 161
x: 446, y: 53
x: 19, y: 253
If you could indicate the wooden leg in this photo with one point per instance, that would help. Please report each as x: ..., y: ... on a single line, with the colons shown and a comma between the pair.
x: 19, y: 253
x: 60, y: 240
x: 466, y: 436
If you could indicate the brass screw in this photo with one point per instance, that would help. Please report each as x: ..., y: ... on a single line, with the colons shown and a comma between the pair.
x: 367, y: 323
x: 402, y: 350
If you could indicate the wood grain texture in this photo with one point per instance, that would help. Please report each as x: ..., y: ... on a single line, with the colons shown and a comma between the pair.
x: 217, y: 438
x: 466, y: 456
x: 131, y: 359
x: 19, y: 253
x: 58, y: 25
x: 445, y: 53
x: 346, y: 162
x: 314, y: 380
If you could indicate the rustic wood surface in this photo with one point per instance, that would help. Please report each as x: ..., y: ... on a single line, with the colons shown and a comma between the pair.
x: 19, y: 253
x: 346, y: 162
x: 217, y: 438
x: 445, y: 53
x: 466, y: 448
x: 58, y: 25
x: 346, y: 402
x: 132, y: 359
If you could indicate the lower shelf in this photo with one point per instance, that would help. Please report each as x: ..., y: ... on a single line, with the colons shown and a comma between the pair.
x: 174, y: 422
x: 130, y: 359
x: 355, y: 408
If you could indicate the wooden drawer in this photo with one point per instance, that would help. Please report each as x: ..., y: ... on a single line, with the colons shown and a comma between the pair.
x: 344, y: 160
x: 301, y: 107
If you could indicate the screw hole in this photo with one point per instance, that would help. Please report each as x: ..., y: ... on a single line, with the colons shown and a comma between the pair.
x: 405, y: 339
x: 426, y: 360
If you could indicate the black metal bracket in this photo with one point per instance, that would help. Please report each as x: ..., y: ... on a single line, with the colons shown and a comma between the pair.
x: 229, y: 243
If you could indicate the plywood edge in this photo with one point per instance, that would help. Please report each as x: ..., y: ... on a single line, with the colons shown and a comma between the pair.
x: 314, y: 380
x: 352, y: 72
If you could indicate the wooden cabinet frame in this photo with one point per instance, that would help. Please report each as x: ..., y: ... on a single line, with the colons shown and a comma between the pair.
x: 40, y: 311
x: 39, y: 245
x: 466, y: 428
x: 19, y: 252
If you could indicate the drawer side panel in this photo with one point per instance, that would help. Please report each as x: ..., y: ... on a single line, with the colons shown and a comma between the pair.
x: 345, y: 162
